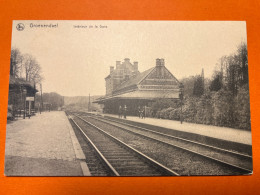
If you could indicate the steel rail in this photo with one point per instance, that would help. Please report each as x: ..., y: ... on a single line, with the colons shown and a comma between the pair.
x: 175, y: 137
x: 188, y: 150
x: 111, y: 168
x: 145, y: 157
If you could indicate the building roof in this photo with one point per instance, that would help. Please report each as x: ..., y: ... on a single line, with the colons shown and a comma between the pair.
x: 20, y: 82
x: 135, y: 80
x: 156, y: 82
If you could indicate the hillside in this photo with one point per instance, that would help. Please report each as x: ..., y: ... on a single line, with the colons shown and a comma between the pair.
x: 81, y: 100
x: 81, y: 103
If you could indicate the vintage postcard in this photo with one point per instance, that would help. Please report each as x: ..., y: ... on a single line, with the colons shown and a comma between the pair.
x: 128, y: 98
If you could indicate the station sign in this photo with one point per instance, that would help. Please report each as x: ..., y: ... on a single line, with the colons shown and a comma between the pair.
x: 29, y: 98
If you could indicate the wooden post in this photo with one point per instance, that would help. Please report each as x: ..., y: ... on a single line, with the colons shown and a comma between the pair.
x: 30, y: 109
x: 41, y: 99
x: 24, y: 92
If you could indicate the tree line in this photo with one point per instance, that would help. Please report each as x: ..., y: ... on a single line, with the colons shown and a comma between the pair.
x: 222, y: 100
x: 55, y: 101
x: 25, y: 66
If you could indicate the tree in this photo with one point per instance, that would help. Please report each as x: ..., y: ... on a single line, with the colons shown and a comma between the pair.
x: 216, y: 84
x: 233, y: 69
x: 25, y: 66
x: 16, y: 62
x: 198, y: 89
x: 243, y: 63
x: 188, y: 85
x: 53, y: 98
x: 32, y: 69
x: 242, y: 108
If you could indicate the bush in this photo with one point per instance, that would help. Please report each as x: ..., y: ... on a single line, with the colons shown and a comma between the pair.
x: 220, y: 108
x: 175, y: 114
x: 164, y: 113
x: 204, y: 110
x: 189, y: 109
x: 158, y: 114
x: 223, y: 106
x: 242, y: 108
x: 161, y: 104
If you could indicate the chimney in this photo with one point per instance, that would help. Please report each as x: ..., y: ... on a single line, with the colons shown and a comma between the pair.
x: 135, y: 66
x: 159, y: 68
x: 127, y: 59
x: 162, y: 62
x: 158, y: 62
x: 118, y: 63
x: 111, y: 69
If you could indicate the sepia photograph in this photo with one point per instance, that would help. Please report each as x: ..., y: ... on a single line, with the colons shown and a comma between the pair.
x: 128, y: 98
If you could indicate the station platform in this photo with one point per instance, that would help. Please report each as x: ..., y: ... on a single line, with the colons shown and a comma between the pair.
x: 44, y: 145
x: 223, y: 133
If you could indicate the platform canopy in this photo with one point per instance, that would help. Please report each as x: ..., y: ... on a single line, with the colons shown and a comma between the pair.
x: 141, y: 95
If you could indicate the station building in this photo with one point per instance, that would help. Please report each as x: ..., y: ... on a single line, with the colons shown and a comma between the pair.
x: 125, y: 85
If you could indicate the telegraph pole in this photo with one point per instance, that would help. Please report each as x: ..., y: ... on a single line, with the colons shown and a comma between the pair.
x: 181, y: 98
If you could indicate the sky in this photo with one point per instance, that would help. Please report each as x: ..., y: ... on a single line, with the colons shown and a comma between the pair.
x: 75, y: 60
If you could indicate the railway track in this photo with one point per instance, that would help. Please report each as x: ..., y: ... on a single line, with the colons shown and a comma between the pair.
x: 95, y: 164
x: 118, y: 158
x: 233, y: 160
x: 222, y: 144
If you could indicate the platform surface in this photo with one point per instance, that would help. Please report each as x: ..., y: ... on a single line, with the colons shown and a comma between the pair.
x: 225, y: 133
x: 44, y: 145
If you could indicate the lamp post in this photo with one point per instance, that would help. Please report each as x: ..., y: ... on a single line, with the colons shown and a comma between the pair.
x: 41, y: 104
x: 24, y: 106
x: 181, y: 98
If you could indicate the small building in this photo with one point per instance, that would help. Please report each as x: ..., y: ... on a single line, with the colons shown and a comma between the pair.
x: 21, y: 97
x: 125, y: 85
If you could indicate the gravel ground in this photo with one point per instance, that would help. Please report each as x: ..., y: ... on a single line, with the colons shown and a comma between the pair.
x: 180, y: 161
x: 193, y: 135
